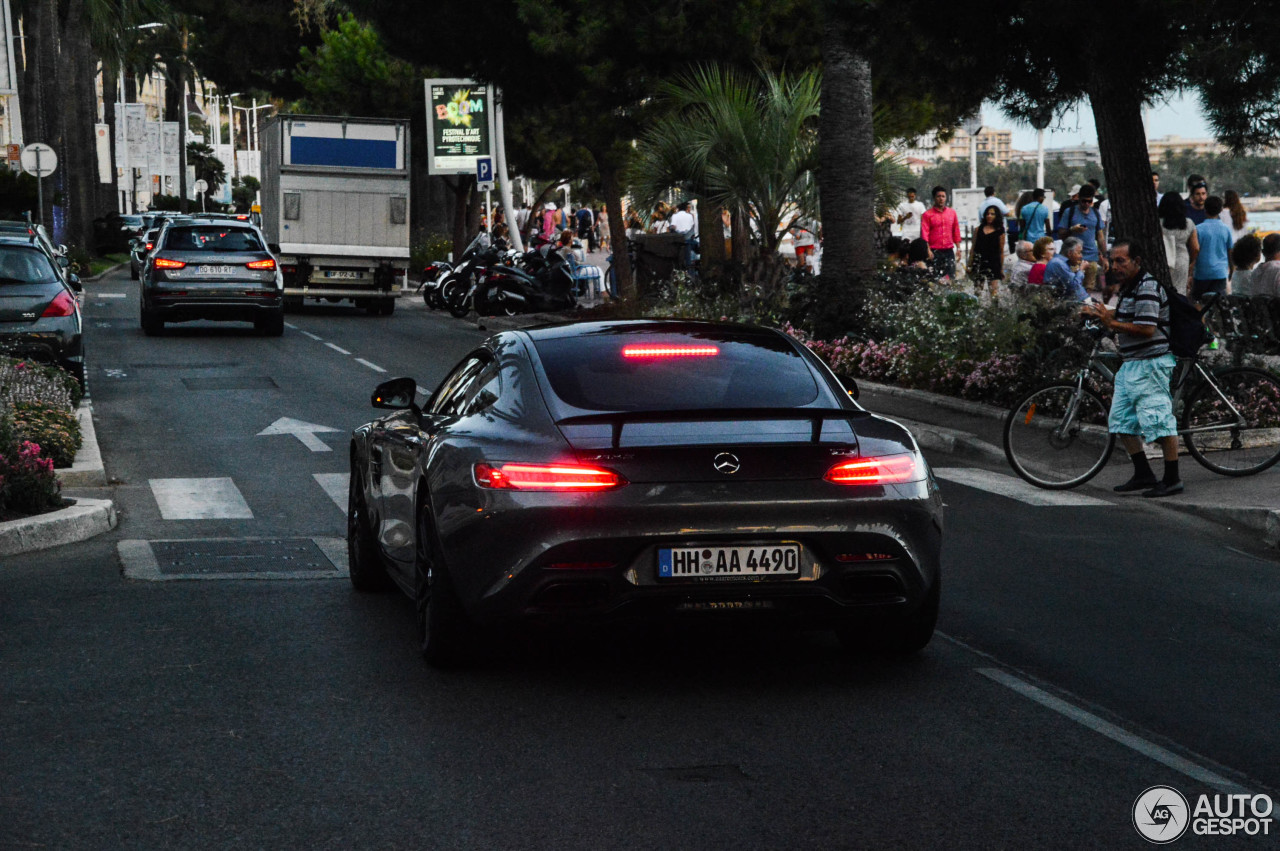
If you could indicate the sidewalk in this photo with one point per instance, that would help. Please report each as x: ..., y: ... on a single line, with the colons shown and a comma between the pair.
x: 976, y: 431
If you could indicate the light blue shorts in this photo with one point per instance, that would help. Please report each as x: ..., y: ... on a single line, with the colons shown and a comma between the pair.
x: 1142, y: 403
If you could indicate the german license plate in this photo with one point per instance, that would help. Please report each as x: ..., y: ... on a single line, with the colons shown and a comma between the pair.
x: 775, y: 561
x: 341, y: 273
x: 216, y: 271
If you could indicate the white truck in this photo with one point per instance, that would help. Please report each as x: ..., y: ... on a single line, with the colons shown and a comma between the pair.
x: 335, y: 208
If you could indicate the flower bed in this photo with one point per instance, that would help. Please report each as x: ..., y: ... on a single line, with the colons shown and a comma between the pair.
x: 38, y: 431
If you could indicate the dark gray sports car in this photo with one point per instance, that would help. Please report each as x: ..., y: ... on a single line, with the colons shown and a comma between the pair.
x: 644, y: 469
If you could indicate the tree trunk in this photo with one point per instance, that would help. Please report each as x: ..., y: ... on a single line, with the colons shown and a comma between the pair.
x: 846, y: 155
x: 1122, y: 141
x: 461, y: 193
x: 41, y: 120
x: 743, y: 249
x: 180, y: 82
x: 110, y: 91
x: 710, y: 237
x: 76, y: 67
x: 611, y: 186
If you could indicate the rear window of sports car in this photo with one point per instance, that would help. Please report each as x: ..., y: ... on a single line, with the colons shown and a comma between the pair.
x: 676, y: 371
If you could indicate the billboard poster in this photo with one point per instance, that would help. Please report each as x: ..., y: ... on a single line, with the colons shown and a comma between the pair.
x: 131, y: 121
x: 154, y: 161
x: 169, y: 146
x: 459, y: 125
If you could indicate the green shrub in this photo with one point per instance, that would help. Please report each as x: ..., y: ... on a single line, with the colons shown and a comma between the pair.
x: 429, y: 247
x: 56, y: 430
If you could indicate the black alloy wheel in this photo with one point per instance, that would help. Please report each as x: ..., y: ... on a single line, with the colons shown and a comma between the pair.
x: 445, y: 633
x: 365, y: 568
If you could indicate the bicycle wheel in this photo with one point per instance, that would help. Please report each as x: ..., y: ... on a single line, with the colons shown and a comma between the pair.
x: 1235, y: 445
x: 1057, y: 439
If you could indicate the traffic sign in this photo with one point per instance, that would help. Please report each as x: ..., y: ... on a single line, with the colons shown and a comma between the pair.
x: 201, y: 185
x: 484, y: 173
x: 39, y: 160
x: 14, y: 153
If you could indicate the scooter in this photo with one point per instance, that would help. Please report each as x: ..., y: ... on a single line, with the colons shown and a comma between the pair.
x: 433, y: 275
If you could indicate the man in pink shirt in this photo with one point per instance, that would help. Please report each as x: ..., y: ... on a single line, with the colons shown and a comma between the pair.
x: 941, y: 228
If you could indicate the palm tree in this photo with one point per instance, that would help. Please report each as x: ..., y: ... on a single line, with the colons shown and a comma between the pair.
x: 735, y: 141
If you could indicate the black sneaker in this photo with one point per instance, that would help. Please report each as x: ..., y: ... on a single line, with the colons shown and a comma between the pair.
x: 1162, y: 489
x: 1136, y: 484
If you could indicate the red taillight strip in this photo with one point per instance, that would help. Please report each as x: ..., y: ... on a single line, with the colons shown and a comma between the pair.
x: 546, y: 477
x: 262, y: 264
x: 670, y: 351
x: 889, y: 469
x: 166, y: 263
x: 62, y: 305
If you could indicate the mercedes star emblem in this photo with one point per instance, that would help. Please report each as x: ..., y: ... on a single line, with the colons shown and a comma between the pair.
x: 727, y: 463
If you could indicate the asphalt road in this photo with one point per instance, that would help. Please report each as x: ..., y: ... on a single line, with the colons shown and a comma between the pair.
x: 1086, y: 653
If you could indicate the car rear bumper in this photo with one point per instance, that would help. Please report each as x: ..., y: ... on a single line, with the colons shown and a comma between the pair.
x: 42, y: 342
x: 861, y: 559
x: 182, y: 308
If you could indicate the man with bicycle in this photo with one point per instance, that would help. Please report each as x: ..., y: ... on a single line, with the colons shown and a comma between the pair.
x: 1142, y: 405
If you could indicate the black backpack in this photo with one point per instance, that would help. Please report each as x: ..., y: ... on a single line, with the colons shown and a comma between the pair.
x: 1186, y: 329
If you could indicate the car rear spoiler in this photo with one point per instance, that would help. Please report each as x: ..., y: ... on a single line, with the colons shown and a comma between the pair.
x: 815, y: 416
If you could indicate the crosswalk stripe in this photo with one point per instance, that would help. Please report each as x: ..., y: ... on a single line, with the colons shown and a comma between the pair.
x: 1014, y: 488
x: 335, y: 485
x: 200, y: 499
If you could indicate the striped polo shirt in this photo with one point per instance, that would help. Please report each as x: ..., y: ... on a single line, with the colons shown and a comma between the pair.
x: 1143, y: 304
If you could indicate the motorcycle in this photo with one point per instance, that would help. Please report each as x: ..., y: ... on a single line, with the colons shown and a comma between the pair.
x: 433, y: 275
x: 539, y: 280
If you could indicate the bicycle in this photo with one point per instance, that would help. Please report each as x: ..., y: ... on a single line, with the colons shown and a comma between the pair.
x: 1229, y: 418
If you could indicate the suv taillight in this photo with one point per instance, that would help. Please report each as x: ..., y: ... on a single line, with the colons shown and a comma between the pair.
x: 165, y: 263
x: 262, y: 264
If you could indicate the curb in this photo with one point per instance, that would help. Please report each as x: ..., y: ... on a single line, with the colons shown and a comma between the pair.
x: 86, y: 471
x: 103, y: 273
x: 950, y: 440
x: 1264, y: 520
x: 950, y: 403
x: 79, y: 522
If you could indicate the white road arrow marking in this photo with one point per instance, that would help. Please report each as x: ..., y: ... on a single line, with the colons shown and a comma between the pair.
x: 306, y: 432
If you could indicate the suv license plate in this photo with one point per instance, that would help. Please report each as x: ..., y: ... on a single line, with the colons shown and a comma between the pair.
x: 218, y: 271
x: 777, y: 561
x: 339, y: 273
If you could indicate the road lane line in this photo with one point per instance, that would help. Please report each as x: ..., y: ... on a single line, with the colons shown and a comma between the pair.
x: 1015, y: 488
x: 109, y: 295
x: 308, y: 334
x: 372, y: 366
x: 335, y: 485
x: 200, y: 499
x: 1111, y: 731
x: 291, y: 325
x: 337, y: 349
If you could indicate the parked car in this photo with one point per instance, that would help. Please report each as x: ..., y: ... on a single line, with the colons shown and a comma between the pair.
x: 21, y: 228
x: 644, y: 470
x: 140, y: 249
x: 216, y: 270
x: 39, y: 307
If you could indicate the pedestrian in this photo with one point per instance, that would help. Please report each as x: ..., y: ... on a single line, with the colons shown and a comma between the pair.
x: 909, y: 214
x: 682, y: 221
x: 1033, y: 217
x: 522, y: 217
x: 1265, y: 279
x: 548, y: 220
x: 1234, y: 215
x: 1085, y: 223
x: 986, y: 260
x: 1063, y: 209
x: 1042, y: 252
x: 1023, y: 261
x: 940, y: 228
x: 1064, y: 272
x: 1246, y: 255
x: 658, y: 222
x: 586, y: 221
x: 1141, y: 403
x: 1181, y: 245
x: 1213, y: 265
x: 1155, y: 184
x: 804, y: 241
x: 1197, y: 195
x: 602, y: 226
x: 990, y: 200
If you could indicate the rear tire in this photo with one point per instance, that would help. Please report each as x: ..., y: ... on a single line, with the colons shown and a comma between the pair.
x: 906, y: 637
x: 272, y: 326
x: 152, y: 325
x: 445, y: 632
x: 363, y: 565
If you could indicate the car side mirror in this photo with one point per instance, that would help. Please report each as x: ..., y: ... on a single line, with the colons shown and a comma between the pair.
x: 396, y: 394
x: 74, y: 281
x: 62, y: 250
x: 63, y: 261
x: 850, y: 386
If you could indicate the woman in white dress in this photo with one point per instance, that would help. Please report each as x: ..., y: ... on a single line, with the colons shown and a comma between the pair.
x: 1181, y: 245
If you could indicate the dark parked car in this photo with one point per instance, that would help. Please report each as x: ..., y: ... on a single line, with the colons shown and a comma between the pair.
x: 39, y: 311
x: 217, y: 270
x: 644, y: 469
x: 140, y: 248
